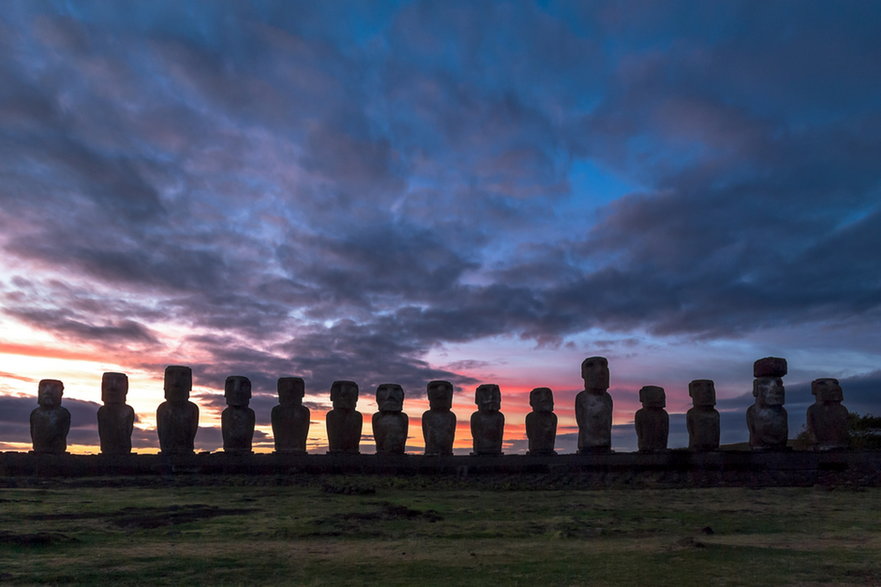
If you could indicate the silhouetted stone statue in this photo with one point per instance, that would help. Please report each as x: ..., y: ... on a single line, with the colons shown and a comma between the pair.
x: 703, y: 419
x: 390, y: 423
x: 593, y: 407
x: 438, y: 422
x: 343, y: 422
x: 50, y: 423
x: 177, y: 418
x: 827, y: 418
x: 487, y: 423
x: 541, y: 422
x: 237, y: 420
x: 290, y: 418
x: 652, y: 422
x: 115, y: 418
x: 766, y: 418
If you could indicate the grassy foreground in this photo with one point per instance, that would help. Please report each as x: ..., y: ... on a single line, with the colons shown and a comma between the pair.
x: 397, y: 531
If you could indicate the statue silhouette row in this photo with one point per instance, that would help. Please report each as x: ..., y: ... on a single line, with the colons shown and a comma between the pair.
x: 178, y: 418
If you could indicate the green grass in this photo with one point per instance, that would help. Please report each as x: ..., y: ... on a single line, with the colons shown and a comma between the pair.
x: 364, y: 530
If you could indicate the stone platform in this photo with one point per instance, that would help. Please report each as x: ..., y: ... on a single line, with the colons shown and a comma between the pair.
x: 670, y: 469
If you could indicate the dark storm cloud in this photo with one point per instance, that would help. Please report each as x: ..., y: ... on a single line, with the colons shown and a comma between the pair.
x: 346, y: 350
x: 210, y: 438
x: 144, y: 438
x: 715, y: 250
x: 335, y: 197
x: 113, y: 183
x: 374, y: 267
x: 234, y: 357
x: 242, y: 313
x: 861, y: 393
x: 123, y: 330
x: 717, y: 284
x: 261, y: 403
x: 367, y: 354
x: 753, y: 216
x: 15, y: 414
x: 161, y: 266
x: 63, y: 145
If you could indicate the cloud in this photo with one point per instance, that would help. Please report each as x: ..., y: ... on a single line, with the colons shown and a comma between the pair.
x: 125, y: 330
x: 262, y: 405
x: 18, y: 377
x: 15, y: 414
x: 375, y: 266
x: 861, y: 393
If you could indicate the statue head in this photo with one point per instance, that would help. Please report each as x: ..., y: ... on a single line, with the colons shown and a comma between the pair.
x: 768, y: 391
x: 702, y: 392
x: 49, y: 392
x: 488, y: 397
x: 652, y: 396
x: 344, y: 395
x: 827, y: 390
x: 390, y: 397
x: 595, y: 372
x: 178, y: 383
x: 114, y: 388
x: 440, y: 395
x: 541, y: 399
x: 291, y: 391
x: 237, y: 391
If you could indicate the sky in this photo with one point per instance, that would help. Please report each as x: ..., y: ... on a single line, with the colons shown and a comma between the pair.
x: 483, y: 192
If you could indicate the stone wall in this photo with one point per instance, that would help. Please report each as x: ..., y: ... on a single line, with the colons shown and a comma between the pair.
x: 671, y: 469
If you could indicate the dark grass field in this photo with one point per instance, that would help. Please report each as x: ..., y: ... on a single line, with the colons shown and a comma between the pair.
x: 357, y: 530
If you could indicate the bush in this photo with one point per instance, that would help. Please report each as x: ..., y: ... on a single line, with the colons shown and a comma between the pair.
x: 865, y: 431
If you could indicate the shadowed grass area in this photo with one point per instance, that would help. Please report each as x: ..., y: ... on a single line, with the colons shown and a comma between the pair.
x: 355, y: 530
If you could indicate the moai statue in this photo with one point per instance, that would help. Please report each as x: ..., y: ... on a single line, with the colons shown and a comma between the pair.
x: 487, y: 423
x: 766, y: 418
x: 827, y: 418
x: 541, y: 422
x: 438, y: 422
x: 593, y: 407
x: 50, y: 423
x: 237, y: 420
x: 390, y: 423
x: 703, y: 419
x: 343, y: 422
x: 177, y: 418
x: 290, y: 418
x: 115, y: 418
x: 652, y: 421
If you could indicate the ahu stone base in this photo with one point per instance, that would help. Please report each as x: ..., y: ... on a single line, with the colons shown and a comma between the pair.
x: 616, y: 470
